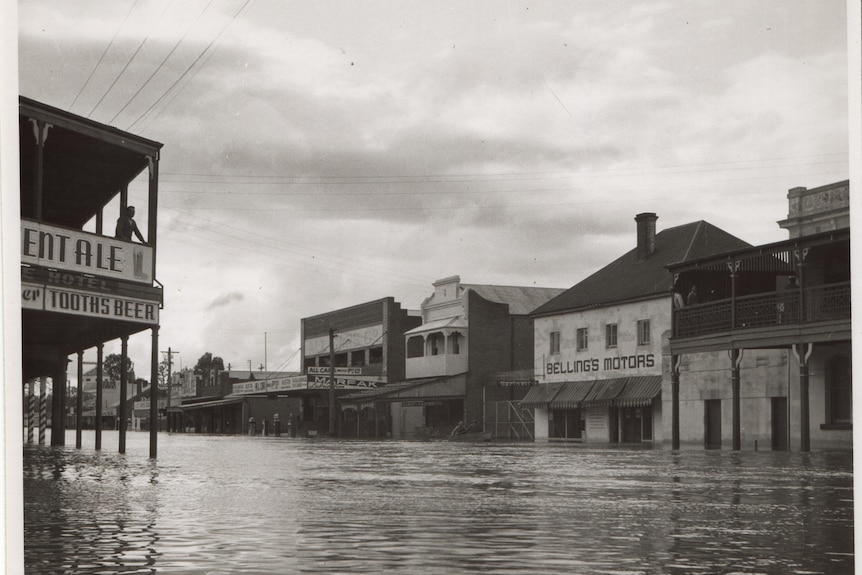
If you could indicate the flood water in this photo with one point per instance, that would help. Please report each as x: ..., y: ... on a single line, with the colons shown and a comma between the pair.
x: 253, y: 505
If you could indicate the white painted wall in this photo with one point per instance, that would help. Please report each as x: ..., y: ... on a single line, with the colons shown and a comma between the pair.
x: 598, y: 361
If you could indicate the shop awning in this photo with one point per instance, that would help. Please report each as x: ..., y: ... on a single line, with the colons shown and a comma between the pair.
x: 572, y: 394
x: 541, y: 395
x: 639, y: 391
x: 215, y: 403
x: 604, y: 392
x: 449, y: 386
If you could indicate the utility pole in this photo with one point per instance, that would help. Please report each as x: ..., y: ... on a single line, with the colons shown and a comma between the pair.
x: 331, y: 382
x: 153, y: 396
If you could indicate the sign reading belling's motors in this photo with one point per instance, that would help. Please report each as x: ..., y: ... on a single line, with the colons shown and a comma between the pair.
x: 45, y: 298
x: 73, y: 250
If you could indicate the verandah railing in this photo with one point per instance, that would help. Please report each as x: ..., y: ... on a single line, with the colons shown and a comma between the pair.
x: 821, y: 303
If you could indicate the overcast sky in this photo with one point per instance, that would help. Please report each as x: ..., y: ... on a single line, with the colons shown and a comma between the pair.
x: 319, y: 155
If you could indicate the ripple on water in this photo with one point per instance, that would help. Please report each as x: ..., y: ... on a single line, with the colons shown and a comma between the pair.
x: 237, y: 504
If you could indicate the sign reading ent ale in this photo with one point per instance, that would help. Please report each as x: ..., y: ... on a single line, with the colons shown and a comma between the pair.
x: 83, y: 252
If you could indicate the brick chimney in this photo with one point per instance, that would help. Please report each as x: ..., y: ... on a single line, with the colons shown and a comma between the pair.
x: 646, y: 234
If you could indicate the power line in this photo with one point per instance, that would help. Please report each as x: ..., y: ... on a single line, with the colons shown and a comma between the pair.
x: 165, y: 59
x: 498, y: 176
x: 190, y: 66
x: 141, y: 45
x: 111, y: 43
x: 342, y: 262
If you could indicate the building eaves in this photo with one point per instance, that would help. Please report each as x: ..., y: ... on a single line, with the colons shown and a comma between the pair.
x: 629, y: 278
x: 521, y: 300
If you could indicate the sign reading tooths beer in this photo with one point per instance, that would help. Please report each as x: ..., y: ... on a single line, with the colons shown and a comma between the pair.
x: 77, y: 251
x: 75, y: 302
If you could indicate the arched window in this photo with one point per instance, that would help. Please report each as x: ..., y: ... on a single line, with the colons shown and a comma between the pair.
x: 436, y: 343
x: 416, y: 346
x: 455, y: 339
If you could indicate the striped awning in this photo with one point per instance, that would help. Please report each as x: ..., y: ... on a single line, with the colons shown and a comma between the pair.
x: 541, y: 395
x: 604, y: 392
x: 572, y: 394
x: 639, y: 391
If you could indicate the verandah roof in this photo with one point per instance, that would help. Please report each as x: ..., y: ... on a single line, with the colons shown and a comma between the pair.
x: 572, y: 394
x: 639, y: 391
x: 634, y: 391
x: 540, y: 395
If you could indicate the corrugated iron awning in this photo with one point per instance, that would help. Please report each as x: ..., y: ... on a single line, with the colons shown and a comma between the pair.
x: 541, y: 395
x: 639, y: 391
x: 604, y: 392
x: 572, y: 394
x: 216, y: 403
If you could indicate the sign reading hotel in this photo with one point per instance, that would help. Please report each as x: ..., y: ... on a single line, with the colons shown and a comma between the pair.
x: 47, y: 298
x: 83, y: 252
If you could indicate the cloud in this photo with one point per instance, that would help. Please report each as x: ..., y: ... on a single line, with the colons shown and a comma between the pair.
x: 225, y: 300
x: 320, y: 155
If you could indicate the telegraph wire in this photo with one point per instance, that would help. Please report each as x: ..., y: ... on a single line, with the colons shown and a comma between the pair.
x: 164, y: 60
x: 474, y: 178
x: 105, y: 53
x: 277, y: 244
x: 141, y: 45
x: 323, y: 267
x: 190, y: 66
x: 414, y: 208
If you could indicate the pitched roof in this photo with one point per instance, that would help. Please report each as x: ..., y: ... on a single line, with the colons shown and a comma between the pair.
x: 366, y: 394
x: 521, y: 300
x: 451, y: 322
x: 627, y: 278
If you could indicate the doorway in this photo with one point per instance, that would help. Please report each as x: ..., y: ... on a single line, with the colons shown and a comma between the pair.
x: 712, y: 423
x: 632, y: 425
x: 779, y: 424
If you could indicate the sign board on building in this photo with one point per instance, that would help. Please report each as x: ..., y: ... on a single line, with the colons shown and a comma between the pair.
x: 83, y: 252
x: 322, y: 382
x: 272, y: 385
x: 348, y: 339
x: 338, y: 371
x: 144, y: 404
x: 421, y: 403
x: 76, y: 302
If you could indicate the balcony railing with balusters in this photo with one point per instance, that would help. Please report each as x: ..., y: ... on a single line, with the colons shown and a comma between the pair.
x: 822, y: 303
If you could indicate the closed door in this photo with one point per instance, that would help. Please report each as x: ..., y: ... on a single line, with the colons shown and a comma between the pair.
x: 779, y: 424
x: 712, y: 423
x: 632, y: 425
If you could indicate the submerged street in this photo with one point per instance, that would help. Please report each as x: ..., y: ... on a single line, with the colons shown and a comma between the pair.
x: 220, y: 505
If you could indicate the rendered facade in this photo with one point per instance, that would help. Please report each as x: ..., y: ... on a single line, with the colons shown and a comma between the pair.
x: 767, y: 363
x: 600, y: 346
x: 469, y: 334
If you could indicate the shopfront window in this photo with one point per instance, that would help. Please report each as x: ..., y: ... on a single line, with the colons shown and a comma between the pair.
x: 565, y: 424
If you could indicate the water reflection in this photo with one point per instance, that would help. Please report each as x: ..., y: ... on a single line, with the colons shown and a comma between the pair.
x: 229, y: 504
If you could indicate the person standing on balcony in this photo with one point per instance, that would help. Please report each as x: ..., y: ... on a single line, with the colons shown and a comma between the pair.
x: 126, y: 226
x: 692, y: 296
x: 678, y: 302
x: 791, y: 300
